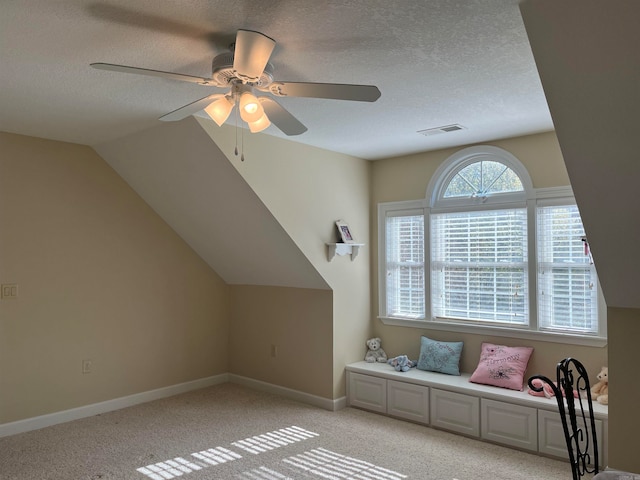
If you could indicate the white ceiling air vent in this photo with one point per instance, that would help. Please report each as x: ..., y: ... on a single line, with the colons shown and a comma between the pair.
x: 446, y: 129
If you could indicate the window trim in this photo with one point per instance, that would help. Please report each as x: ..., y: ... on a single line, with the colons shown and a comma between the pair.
x: 490, y: 330
x: 434, y: 203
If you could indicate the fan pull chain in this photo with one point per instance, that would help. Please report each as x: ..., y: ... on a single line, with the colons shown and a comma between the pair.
x: 242, y: 145
x: 236, y: 117
x: 241, y: 139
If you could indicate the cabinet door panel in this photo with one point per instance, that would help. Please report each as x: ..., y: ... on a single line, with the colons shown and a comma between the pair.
x: 551, y: 436
x: 456, y: 412
x: 368, y: 392
x: 409, y: 401
x: 510, y: 424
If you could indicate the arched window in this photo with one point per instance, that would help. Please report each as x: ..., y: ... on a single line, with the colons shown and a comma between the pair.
x: 478, y: 174
x: 479, y: 248
x: 487, y: 250
x: 482, y: 178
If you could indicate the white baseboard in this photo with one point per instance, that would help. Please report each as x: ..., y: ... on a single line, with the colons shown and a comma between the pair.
x: 307, y: 398
x: 42, y: 421
x: 50, y: 419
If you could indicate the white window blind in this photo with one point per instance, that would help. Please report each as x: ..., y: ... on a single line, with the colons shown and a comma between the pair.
x: 567, y: 285
x: 479, y: 266
x: 405, y: 265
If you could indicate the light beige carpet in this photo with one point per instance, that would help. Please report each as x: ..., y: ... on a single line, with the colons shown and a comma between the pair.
x: 233, y: 432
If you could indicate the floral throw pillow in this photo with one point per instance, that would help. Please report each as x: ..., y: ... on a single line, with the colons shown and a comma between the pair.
x: 443, y: 357
x: 502, y: 366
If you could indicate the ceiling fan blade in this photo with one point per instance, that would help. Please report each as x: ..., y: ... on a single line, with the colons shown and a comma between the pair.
x: 281, y: 118
x: 251, y: 54
x: 154, y: 73
x: 190, y: 109
x: 336, y: 91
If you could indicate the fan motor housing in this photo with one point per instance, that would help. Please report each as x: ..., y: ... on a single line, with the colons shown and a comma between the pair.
x: 223, y: 74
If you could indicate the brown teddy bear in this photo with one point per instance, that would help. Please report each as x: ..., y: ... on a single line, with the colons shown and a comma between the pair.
x: 600, y: 391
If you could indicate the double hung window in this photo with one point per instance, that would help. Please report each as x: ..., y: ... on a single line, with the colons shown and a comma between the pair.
x: 405, y: 263
x: 567, y: 282
x: 479, y: 265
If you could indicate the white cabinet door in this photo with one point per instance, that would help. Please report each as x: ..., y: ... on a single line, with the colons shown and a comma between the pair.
x: 368, y: 392
x: 509, y: 424
x: 456, y: 412
x: 551, y: 436
x: 409, y: 401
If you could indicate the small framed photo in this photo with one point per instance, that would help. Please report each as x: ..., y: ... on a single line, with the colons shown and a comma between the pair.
x: 345, y: 232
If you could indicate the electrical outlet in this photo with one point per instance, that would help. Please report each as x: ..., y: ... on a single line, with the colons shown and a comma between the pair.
x: 87, y: 366
x: 274, y: 351
x: 9, y: 290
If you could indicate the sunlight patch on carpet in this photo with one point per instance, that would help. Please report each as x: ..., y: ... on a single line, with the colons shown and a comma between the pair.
x: 331, y: 465
x: 263, y: 473
x: 318, y: 463
x: 214, y: 456
x: 275, y: 439
x: 169, y: 469
x: 179, y: 466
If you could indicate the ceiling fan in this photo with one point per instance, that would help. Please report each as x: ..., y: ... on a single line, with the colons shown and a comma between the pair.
x: 245, y: 71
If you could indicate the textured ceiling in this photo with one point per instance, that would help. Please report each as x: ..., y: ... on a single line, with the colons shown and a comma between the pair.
x: 435, y: 62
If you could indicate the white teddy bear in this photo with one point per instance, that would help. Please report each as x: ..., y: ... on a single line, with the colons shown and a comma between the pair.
x: 375, y: 352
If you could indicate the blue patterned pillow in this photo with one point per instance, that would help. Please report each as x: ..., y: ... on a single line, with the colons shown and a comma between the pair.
x: 443, y: 357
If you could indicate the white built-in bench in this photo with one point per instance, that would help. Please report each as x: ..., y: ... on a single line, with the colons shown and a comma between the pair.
x: 511, y: 418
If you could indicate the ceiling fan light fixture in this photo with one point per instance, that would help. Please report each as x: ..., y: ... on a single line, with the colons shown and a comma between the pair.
x: 244, y: 68
x: 251, y: 55
x: 260, y: 124
x: 219, y: 110
x: 250, y: 109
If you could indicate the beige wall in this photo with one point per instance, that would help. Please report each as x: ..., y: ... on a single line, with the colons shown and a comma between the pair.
x: 406, y: 340
x: 307, y: 189
x: 103, y: 277
x: 290, y: 319
x: 407, y: 178
x: 100, y: 277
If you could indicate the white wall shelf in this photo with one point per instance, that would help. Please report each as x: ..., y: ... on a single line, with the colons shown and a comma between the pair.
x: 334, y: 249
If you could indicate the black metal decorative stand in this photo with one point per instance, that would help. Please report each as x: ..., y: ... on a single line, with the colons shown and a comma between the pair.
x: 580, y: 430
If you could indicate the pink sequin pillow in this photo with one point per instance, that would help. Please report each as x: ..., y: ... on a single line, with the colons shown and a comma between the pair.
x: 502, y: 366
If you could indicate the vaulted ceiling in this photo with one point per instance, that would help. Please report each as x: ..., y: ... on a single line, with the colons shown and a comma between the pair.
x: 436, y: 63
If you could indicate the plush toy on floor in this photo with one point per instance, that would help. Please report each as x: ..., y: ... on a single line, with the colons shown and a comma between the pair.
x: 375, y: 353
x: 401, y: 363
x: 600, y: 391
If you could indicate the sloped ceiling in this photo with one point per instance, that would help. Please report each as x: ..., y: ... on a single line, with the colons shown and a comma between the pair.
x: 181, y: 173
x: 587, y: 52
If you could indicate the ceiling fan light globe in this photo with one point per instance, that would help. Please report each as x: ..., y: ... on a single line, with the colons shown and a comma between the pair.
x: 260, y: 124
x: 250, y: 109
x: 251, y: 54
x: 219, y: 110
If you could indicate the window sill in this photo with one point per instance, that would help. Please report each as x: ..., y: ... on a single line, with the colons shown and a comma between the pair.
x: 590, y: 341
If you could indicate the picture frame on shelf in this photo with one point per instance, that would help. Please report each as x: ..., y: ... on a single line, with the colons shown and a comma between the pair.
x: 345, y: 232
